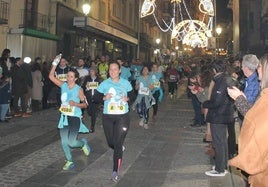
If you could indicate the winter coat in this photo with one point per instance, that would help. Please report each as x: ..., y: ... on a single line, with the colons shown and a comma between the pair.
x: 37, y: 90
x: 253, y: 143
x: 220, y: 106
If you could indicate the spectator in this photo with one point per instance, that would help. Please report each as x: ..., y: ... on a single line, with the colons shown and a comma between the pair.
x: 19, y: 89
x: 220, y: 114
x: 249, y: 66
x: 5, y: 96
x: 252, y: 144
x: 37, y: 91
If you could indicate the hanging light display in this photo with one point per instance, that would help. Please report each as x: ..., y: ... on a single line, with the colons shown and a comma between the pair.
x: 191, y: 32
x: 147, y: 8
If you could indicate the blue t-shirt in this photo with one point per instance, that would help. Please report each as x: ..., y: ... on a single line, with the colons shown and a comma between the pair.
x: 135, y: 71
x: 156, y: 76
x: 125, y: 73
x: 115, y: 105
x: 144, y: 85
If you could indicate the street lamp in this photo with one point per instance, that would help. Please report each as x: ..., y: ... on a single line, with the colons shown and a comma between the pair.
x: 218, y: 31
x: 86, y: 8
x: 157, y: 41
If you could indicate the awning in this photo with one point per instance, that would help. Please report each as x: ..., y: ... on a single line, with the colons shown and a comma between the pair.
x: 40, y: 34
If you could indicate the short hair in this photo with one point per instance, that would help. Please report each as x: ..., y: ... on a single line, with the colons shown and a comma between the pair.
x: 250, y: 61
x: 219, y: 66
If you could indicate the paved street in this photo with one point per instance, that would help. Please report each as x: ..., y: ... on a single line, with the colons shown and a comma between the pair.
x: 170, y: 153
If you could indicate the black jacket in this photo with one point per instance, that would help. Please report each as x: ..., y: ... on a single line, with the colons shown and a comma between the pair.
x: 220, y: 106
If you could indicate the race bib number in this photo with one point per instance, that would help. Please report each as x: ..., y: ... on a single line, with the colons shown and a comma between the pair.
x: 144, y: 91
x: 172, y: 77
x: 62, y: 77
x: 67, y: 110
x: 157, y: 84
x: 92, y: 85
x: 116, y: 108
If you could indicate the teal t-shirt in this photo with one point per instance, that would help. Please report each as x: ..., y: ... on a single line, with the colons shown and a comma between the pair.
x: 125, y: 73
x: 156, y: 76
x: 144, y: 85
x: 115, y: 105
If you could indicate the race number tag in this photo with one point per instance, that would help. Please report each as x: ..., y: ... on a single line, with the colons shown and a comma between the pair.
x: 144, y: 91
x: 172, y: 77
x: 92, y: 85
x: 62, y: 77
x: 157, y: 84
x: 67, y: 110
x: 116, y: 108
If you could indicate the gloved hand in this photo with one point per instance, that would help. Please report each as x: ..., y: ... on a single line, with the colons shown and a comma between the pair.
x: 56, y: 60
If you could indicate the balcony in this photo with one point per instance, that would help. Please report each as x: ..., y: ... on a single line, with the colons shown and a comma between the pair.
x: 35, y: 20
x: 4, y: 12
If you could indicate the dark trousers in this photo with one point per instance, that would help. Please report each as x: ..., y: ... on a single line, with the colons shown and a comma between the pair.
x: 198, y: 116
x: 219, y: 142
x: 115, y: 129
x: 92, y: 111
x: 231, y: 139
x: 23, y: 103
x: 172, y: 86
x: 155, y: 106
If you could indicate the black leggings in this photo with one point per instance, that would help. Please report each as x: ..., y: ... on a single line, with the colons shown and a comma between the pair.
x: 115, y: 130
x: 92, y: 111
x: 155, y: 106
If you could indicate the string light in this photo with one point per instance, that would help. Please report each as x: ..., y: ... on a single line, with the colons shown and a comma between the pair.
x: 147, y: 8
x: 191, y: 32
x: 175, y: 1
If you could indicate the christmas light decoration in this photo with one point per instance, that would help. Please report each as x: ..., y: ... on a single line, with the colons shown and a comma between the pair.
x: 147, y: 8
x: 191, y: 32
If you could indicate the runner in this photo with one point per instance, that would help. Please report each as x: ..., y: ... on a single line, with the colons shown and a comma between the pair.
x: 70, y: 122
x: 116, y: 92
x: 90, y: 86
x: 145, y: 99
x: 157, y: 91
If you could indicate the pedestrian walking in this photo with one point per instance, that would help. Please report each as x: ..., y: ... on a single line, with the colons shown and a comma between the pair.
x: 115, y: 92
x: 70, y: 123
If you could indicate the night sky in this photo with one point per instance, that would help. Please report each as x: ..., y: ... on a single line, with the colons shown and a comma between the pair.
x: 223, y: 13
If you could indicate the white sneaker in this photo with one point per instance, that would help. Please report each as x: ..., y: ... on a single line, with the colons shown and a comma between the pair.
x: 141, y: 123
x: 214, y: 173
x: 213, y: 168
x: 146, y: 126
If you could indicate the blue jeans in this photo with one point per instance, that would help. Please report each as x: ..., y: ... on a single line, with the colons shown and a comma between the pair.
x: 3, y: 111
x: 69, y: 135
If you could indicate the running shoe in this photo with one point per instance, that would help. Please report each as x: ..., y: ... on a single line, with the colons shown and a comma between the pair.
x: 141, y: 123
x: 86, y: 149
x: 146, y: 126
x: 69, y: 165
x: 123, y: 148
x: 114, y: 176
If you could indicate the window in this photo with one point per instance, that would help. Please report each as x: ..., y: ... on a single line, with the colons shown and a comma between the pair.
x: 4, y: 9
x: 102, y: 11
x: 130, y: 16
